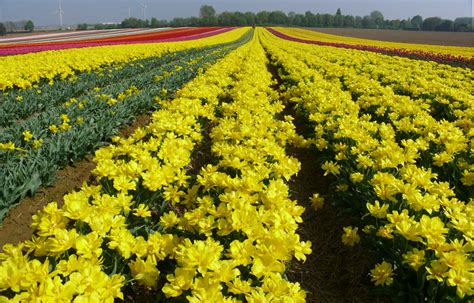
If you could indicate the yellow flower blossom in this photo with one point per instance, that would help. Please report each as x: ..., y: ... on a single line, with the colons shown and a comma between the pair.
x: 317, y: 202
x: 350, y: 236
x: 415, y: 258
x: 382, y: 274
x: 27, y: 135
x: 142, y: 211
x: 145, y: 272
x: 377, y: 210
x: 9, y: 146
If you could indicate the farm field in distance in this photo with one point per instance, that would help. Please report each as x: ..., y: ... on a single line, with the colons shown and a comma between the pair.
x: 237, y: 164
x: 418, y: 37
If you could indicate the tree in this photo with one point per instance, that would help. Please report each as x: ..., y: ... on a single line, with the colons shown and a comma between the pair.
x: 358, y: 22
x: 262, y: 18
x: 377, y: 17
x: 82, y: 26
x: 464, y: 24
x: 349, y: 21
x: 327, y: 20
x: 310, y: 19
x: 225, y: 18
x: 238, y: 19
x: 29, y: 26
x: 207, y: 13
x: 3, y: 29
x: 338, y: 19
x: 250, y: 18
x: 446, y: 26
x: 430, y: 24
x: 154, y: 23
x: 417, y: 21
x: 368, y: 22
x: 278, y: 18
x: 179, y: 22
x: 134, y: 23
x: 394, y: 24
x: 407, y: 24
x: 298, y: 20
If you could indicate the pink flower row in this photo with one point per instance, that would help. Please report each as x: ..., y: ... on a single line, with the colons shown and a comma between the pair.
x: 412, y: 54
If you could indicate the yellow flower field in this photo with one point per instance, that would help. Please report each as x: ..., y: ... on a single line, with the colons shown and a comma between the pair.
x: 23, y: 71
x: 196, y: 205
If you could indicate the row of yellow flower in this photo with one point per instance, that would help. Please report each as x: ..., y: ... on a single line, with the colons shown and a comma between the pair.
x: 449, y: 128
x: 23, y: 71
x: 385, y: 149
x: 319, y: 36
x: 223, y: 235
x: 441, y: 123
x: 425, y: 80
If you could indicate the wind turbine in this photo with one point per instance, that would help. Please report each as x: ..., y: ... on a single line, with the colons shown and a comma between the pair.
x: 60, y: 12
x: 144, y: 6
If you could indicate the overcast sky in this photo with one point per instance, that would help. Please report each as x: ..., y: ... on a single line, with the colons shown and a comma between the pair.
x: 42, y: 12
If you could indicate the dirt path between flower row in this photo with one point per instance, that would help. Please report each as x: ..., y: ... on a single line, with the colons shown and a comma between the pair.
x: 333, y: 273
x: 16, y: 226
x: 465, y: 39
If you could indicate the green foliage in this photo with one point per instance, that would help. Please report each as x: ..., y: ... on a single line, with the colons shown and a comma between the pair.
x: 134, y: 23
x: 465, y: 24
x: 207, y: 14
x: 3, y: 29
x: 82, y: 27
x: 29, y: 26
x: 377, y: 18
x: 431, y: 23
x: 417, y: 21
x: 208, y: 17
x: 446, y: 26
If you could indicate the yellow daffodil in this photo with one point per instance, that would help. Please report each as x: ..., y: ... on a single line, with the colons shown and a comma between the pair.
x: 350, y: 236
x: 382, y: 274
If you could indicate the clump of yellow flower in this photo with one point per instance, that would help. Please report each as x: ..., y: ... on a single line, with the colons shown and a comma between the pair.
x: 382, y: 274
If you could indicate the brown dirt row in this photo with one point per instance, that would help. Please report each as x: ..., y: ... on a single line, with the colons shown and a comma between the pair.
x: 16, y: 226
x: 333, y: 273
x: 419, y: 37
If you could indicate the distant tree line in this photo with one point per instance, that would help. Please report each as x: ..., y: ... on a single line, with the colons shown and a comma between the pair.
x: 209, y: 17
x: 17, y: 26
